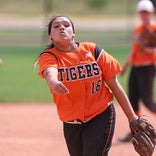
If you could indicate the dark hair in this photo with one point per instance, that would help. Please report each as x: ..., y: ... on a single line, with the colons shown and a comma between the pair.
x: 51, y: 22
x: 51, y: 45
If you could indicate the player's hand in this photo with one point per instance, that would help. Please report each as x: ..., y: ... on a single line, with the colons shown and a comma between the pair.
x: 55, y: 85
x: 59, y: 88
x: 123, y: 71
x: 124, y: 68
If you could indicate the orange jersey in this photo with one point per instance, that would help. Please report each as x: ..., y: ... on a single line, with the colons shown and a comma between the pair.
x: 84, y: 73
x: 139, y: 58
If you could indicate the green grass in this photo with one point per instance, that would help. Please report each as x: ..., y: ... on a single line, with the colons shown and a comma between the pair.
x: 20, y: 82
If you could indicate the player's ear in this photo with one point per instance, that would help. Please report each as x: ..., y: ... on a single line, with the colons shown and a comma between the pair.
x: 50, y: 36
x: 73, y: 34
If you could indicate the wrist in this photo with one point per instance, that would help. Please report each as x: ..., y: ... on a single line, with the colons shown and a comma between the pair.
x: 135, y: 117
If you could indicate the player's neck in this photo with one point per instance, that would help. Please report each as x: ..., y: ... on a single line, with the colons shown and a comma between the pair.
x: 69, y: 47
x: 147, y: 24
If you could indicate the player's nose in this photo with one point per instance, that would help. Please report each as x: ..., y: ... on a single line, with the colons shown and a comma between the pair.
x: 62, y: 27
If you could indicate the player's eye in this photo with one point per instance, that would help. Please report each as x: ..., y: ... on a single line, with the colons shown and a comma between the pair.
x: 66, y: 25
x: 56, y: 26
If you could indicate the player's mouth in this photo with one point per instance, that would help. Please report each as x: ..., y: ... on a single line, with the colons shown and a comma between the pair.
x: 62, y: 32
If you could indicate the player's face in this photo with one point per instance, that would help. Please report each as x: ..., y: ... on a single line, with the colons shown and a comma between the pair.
x: 145, y: 16
x: 61, y: 30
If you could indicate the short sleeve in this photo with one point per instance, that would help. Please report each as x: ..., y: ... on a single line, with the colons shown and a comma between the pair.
x: 109, y: 65
x: 46, y: 60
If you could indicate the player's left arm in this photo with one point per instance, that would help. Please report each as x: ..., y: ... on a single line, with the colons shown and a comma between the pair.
x: 143, y: 133
x: 121, y: 97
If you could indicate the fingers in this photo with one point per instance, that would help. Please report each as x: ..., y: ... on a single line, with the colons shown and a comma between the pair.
x: 122, y: 73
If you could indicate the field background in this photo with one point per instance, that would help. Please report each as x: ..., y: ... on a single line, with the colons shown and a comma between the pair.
x: 29, y: 122
x: 23, y: 37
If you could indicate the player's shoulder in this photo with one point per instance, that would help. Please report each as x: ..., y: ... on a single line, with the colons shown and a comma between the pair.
x: 49, y: 52
x: 89, y: 45
x: 92, y: 47
x: 153, y: 25
x: 138, y: 29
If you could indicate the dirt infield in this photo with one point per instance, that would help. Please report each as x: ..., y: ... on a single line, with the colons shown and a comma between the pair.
x: 35, y: 130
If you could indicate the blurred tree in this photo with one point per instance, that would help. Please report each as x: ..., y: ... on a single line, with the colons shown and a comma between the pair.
x: 47, y: 6
x: 47, y: 9
x: 96, y: 3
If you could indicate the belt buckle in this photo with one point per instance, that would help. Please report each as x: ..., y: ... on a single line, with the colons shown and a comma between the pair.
x: 77, y: 121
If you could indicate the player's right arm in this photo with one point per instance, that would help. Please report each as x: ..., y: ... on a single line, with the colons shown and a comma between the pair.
x: 51, y: 76
x: 125, y: 66
x: 131, y: 55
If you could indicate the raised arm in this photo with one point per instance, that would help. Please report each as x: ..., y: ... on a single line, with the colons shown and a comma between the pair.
x: 51, y: 76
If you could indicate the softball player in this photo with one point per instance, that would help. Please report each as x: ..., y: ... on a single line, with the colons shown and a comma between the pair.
x: 82, y: 80
x: 141, y: 79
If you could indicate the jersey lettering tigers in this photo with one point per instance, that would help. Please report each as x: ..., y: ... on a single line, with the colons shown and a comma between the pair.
x: 78, y: 72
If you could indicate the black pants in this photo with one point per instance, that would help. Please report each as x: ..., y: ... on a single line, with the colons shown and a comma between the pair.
x: 141, y: 84
x: 93, y: 138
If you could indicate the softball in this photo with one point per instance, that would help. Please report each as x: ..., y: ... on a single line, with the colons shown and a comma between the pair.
x: 1, y: 62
